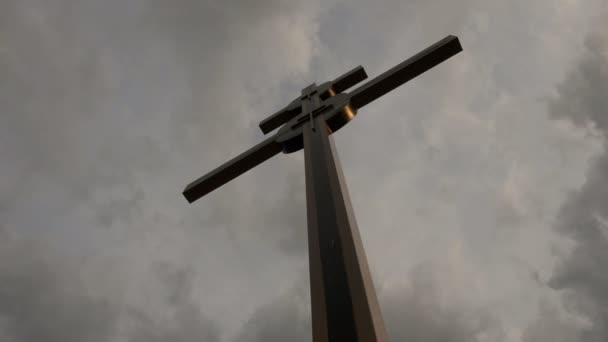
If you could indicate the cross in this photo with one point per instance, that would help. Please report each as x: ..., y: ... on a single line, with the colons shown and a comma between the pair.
x: 344, y: 305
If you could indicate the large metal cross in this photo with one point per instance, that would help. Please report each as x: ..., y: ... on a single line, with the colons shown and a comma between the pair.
x: 344, y: 303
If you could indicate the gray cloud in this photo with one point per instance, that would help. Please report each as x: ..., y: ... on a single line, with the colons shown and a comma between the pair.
x: 43, y: 296
x: 187, y: 323
x: 109, y: 108
x: 414, y: 312
x: 581, y: 276
x: 285, y: 318
x: 552, y: 325
x: 581, y: 96
x: 419, y: 312
x: 41, y: 299
x: 100, y: 102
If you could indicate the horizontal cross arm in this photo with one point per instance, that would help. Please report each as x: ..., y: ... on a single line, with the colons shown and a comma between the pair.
x: 232, y: 169
x: 349, y: 79
x: 279, y: 118
x: 407, y: 70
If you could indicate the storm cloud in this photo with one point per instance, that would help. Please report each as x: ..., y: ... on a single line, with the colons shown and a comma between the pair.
x: 581, y: 276
x: 108, y: 109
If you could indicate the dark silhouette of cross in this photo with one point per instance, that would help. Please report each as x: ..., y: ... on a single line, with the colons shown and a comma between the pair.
x: 344, y: 303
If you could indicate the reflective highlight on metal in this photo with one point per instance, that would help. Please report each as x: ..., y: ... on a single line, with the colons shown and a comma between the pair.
x: 350, y: 113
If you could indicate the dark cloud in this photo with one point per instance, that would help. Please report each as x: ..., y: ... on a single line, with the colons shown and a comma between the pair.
x: 551, y: 325
x: 41, y: 298
x: 581, y: 97
x: 44, y: 296
x: 581, y: 276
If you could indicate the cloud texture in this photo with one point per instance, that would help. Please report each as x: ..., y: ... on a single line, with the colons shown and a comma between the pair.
x: 481, y: 204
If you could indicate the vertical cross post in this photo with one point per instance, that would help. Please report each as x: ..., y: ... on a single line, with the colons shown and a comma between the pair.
x: 343, y: 299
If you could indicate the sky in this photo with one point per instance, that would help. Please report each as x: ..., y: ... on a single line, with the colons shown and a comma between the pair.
x: 479, y: 188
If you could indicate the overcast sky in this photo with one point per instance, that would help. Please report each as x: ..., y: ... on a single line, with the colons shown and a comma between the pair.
x: 480, y: 188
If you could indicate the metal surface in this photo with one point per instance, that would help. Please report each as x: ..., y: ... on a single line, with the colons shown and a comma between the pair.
x: 405, y: 71
x: 343, y: 299
x: 232, y: 169
x: 349, y: 79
